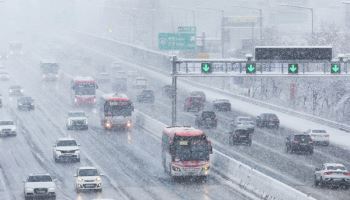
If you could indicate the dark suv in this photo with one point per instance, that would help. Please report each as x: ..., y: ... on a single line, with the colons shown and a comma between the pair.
x: 299, y: 143
x: 193, y: 103
x: 25, y: 103
x: 268, y: 120
x: 146, y: 96
x: 240, y: 135
x: 206, y: 119
x: 223, y: 105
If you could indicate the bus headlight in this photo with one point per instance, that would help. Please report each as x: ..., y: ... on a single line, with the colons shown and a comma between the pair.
x: 177, y: 169
x: 205, y: 168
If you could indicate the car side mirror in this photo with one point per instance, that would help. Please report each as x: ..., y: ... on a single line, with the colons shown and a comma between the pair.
x: 210, y: 147
x: 172, y: 149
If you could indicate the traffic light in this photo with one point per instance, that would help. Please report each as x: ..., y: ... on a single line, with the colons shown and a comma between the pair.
x: 293, y: 68
x: 335, y: 68
x: 250, y: 68
x: 206, y: 68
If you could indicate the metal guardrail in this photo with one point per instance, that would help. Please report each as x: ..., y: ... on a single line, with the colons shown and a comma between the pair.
x: 161, y: 63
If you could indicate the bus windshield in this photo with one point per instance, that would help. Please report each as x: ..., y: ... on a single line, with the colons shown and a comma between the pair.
x: 49, y: 68
x: 191, y: 148
x: 85, y: 89
x: 118, y: 109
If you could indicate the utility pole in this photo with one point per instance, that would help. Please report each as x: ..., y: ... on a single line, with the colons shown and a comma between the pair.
x: 174, y: 92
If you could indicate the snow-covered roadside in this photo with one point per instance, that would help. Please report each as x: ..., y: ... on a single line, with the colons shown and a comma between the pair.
x: 247, y: 178
x: 290, y: 121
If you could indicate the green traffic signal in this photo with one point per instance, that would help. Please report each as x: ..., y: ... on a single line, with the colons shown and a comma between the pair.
x: 250, y: 68
x: 335, y: 68
x: 293, y: 68
x: 206, y: 68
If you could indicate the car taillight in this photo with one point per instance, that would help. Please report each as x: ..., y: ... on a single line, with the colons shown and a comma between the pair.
x: 327, y: 173
x: 346, y: 173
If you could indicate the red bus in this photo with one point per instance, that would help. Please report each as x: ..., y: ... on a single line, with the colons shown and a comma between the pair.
x: 185, y: 152
x: 84, y: 90
x: 116, y: 111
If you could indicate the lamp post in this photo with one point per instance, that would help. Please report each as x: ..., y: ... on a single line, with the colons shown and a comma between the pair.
x: 222, y: 12
x: 260, y: 17
x: 305, y: 8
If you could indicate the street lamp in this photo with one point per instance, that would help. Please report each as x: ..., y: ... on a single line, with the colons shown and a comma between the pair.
x: 305, y: 8
x: 188, y: 9
x: 260, y: 17
x: 222, y: 27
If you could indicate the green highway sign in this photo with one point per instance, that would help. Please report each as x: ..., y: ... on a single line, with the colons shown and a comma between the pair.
x: 250, y: 68
x: 293, y: 68
x: 206, y: 68
x: 177, y: 41
x: 335, y: 68
x: 186, y: 29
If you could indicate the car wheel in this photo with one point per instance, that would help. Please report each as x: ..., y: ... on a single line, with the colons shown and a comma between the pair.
x: 250, y: 143
x: 311, y: 151
x: 316, y: 182
x: 287, y: 149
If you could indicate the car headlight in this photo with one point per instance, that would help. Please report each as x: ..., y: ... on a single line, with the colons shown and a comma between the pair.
x: 29, y: 189
x: 108, y: 124
x: 13, y: 129
x: 98, y: 179
x: 10, y: 90
x: 128, y: 124
x: 21, y: 91
x: 58, y: 152
x: 75, y: 100
x: 80, y: 179
x: 86, y: 122
x: 51, y: 189
x: 77, y: 151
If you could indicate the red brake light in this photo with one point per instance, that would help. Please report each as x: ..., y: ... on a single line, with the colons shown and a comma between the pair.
x: 327, y: 173
x: 347, y: 173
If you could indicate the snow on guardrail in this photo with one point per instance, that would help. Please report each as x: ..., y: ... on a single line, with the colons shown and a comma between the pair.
x: 160, y: 62
x: 244, y: 176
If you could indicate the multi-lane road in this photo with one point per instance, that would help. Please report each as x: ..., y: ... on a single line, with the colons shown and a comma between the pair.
x: 131, y: 161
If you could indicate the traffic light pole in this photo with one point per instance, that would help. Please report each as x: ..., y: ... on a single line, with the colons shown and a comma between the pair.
x: 174, y: 92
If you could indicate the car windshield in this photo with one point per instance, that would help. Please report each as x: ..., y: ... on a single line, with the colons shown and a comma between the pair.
x: 271, y: 116
x: 26, y: 99
x: 41, y: 178
x: 63, y: 143
x: 208, y: 115
x: 302, y: 138
x: 319, y: 131
x: 76, y: 114
x: 244, y: 119
x: 6, y: 123
x: 88, y: 172
x: 15, y: 87
x: 336, y: 167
